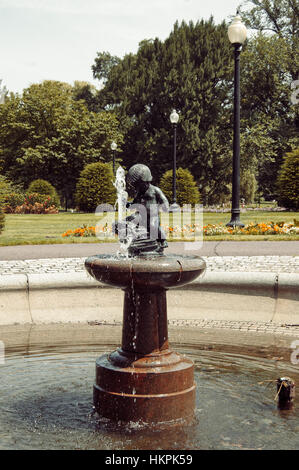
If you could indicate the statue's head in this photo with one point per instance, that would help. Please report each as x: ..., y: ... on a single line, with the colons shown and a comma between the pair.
x: 139, y: 174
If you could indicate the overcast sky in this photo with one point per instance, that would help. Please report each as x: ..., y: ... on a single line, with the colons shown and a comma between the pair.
x: 59, y: 39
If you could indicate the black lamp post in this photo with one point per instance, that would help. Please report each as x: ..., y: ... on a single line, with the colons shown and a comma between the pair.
x: 174, y: 119
x: 237, y: 34
x: 113, y: 147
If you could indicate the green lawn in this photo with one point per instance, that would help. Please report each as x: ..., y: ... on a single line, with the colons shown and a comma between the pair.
x: 23, y: 229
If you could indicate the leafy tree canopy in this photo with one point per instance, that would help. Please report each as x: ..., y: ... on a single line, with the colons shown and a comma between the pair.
x: 104, y: 62
x: 280, y: 17
x: 269, y: 124
x: 45, y: 133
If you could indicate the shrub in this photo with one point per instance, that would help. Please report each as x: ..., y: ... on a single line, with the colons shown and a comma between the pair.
x: 36, y: 208
x: 288, y: 187
x: 248, y: 186
x: 95, y: 187
x: 29, y: 204
x: 12, y: 201
x: 186, y: 188
x: 44, y: 187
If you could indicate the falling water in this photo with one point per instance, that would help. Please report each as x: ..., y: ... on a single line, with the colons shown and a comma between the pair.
x: 121, y: 205
x: 127, y: 231
x: 122, y: 195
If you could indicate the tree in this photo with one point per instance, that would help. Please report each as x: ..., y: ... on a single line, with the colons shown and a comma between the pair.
x: 187, y: 190
x: 280, y: 17
x: 191, y: 71
x: 87, y: 92
x: 45, y: 133
x: 104, y: 62
x: 7, y: 186
x: 268, y: 124
x: 95, y: 187
x: 288, y: 178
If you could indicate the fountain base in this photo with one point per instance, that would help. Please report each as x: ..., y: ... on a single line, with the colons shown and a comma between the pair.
x: 144, y: 380
x: 154, y: 388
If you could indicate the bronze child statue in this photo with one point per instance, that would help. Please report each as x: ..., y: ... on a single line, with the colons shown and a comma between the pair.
x: 148, y: 201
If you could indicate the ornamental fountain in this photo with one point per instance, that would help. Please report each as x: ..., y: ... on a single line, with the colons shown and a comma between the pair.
x: 144, y: 380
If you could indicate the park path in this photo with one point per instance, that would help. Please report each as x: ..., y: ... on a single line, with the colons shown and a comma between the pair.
x: 275, y: 257
x: 209, y: 248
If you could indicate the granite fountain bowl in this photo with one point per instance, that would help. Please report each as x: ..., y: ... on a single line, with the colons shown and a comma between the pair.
x: 147, y: 272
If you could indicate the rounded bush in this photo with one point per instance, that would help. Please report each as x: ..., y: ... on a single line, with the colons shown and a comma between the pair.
x: 288, y: 188
x: 45, y: 188
x: 95, y: 186
x: 186, y: 189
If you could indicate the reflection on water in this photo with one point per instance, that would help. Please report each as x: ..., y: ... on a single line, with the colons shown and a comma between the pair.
x: 46, y: 403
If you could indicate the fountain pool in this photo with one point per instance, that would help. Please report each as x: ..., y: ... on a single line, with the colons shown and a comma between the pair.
x: 46, y: 396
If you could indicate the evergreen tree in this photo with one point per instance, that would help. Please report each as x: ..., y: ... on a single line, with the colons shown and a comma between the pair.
x: 186, y: 188
x: 190, y: 71
x: 95, y: 187
x: 288, y: 187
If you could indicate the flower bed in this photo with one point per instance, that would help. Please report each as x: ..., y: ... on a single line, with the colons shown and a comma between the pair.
x: 280, y: 228
x: 34, y: 203
x: 86, y: 231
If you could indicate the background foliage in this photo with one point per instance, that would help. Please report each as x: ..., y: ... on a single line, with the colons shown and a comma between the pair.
x: 186, y: 189
x: 53, y: 130
x: 288, y: 180
x: 95, y: 187
x: 46, y: 133
x: 192, y: 71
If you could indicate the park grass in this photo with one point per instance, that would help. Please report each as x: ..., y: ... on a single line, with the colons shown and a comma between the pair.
x: 38, y: 229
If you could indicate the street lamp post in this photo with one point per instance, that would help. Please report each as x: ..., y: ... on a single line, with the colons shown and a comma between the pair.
x: 174, y: 119
x: 237, y: 34
x: 113, y: 147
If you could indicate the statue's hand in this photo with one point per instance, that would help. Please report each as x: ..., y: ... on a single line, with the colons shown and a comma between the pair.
x: 164, y: 207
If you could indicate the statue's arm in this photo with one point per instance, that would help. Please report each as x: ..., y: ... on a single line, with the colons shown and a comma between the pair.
x: 135, y: 200
x: 162, y: 199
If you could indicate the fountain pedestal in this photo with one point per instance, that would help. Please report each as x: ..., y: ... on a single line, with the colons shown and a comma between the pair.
x: 144, y: 380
